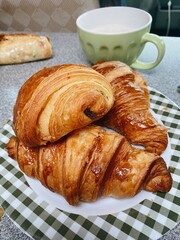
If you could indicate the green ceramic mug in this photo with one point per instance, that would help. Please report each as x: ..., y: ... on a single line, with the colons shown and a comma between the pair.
x: 118, y: 33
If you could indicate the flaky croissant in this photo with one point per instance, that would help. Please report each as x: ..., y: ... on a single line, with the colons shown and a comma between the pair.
x: 92, y: 162
x: 59, y: 99
x: 130, y: 113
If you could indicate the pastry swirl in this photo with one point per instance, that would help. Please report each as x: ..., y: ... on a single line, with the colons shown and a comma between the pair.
x: 58, y: 100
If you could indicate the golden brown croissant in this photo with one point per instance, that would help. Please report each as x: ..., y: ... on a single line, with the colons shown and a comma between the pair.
x: 92, y: 162
x: 23, y: 47
x: 140, y: 82
x: 130, y: 114
x: 59, y: 99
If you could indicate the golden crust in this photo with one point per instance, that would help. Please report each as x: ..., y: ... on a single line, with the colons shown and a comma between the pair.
x: 130, y: 113
x: 58, y: 100
x: 92, y: 162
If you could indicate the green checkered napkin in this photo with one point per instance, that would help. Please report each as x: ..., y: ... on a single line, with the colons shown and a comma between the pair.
x: 147, y: 220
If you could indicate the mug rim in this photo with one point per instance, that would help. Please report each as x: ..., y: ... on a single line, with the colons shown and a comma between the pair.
x: 79, y: 25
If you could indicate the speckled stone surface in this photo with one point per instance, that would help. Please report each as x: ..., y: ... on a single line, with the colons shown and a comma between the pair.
x: 164, y: 78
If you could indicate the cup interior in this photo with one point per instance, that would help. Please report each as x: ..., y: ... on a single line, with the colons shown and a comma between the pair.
x: 109, y: 20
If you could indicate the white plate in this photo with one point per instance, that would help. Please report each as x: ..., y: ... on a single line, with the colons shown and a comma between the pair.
x: 39, y: 218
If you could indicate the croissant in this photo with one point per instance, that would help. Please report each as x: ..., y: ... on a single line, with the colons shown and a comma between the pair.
x: 58, y: 100
x: 92, y: 162
x: 23, y: 47
x: 130, y: 113
x: 140, y: 82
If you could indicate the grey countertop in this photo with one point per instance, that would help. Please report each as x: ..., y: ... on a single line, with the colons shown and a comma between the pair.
x: 164, y: 78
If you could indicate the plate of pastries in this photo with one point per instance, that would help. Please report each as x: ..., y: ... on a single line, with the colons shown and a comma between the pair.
x: 86, y: 139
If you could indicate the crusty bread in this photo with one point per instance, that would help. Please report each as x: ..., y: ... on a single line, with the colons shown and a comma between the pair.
x: 23, y: 47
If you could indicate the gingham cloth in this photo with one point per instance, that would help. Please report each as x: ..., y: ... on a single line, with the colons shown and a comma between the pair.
x: 147, y: 220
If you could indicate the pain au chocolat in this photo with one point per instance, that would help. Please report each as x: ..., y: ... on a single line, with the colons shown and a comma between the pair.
x: 58, y: 100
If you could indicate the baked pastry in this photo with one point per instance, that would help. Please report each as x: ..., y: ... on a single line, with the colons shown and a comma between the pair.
x: 20, y: 48
x: 140, y: 82
x: 58, y: 100
x: 130, y: 114
x: 92, y: 162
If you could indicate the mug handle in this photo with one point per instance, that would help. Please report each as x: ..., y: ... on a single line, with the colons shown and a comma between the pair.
x: 159, y: 43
